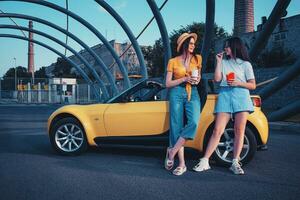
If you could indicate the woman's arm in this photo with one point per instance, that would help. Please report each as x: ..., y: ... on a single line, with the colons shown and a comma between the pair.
x: 172, y: 83
x: 218, y: 70
x: 250, y: 84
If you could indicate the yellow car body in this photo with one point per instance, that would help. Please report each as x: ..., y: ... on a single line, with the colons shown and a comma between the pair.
x: 146, y: 118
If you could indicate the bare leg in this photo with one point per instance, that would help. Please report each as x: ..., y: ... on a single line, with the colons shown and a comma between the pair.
x: 179, y: 144
x: 181, y: 157
x: 239, y: 132
x: 221, y: 122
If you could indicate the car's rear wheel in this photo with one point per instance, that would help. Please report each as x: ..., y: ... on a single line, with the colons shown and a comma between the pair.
x: 223, y: 154
x: 67, y: 137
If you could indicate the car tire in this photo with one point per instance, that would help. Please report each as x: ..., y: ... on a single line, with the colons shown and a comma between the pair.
x: 224, y: 158
x: 68, y: 137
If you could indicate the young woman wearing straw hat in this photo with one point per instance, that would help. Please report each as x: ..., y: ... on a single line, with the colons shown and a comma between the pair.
x: 183, y: 74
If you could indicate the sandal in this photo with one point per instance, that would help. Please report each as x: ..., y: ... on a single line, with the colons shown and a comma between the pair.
x: 168, y: 162
x: 179, y: 171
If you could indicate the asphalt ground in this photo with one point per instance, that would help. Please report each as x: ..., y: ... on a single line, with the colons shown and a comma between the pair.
x: 30, y: 169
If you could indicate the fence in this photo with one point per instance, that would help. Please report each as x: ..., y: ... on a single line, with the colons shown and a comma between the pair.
x: 25, y: 90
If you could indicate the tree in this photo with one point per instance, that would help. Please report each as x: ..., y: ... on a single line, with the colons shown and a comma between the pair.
x: 154, y: 58
x: 154, y: 55
x: 41, y: 73
x: 63, y: 69
x: 147, y: 52
x: 9, y: 81
x: 21, y: 72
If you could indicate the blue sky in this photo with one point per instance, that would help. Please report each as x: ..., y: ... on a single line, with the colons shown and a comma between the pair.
x: 136, y: 13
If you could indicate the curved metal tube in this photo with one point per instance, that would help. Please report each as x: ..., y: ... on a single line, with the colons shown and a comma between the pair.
x: 268, y: 28
x: 99, y: 61
x: 129, y: 33
x: 163, y: 31
x: 209, y: 31
x: 90, y: 27
x: 84, y: 75
x: 285, y: 77
x: 285, y: 112
x: 66, y: 46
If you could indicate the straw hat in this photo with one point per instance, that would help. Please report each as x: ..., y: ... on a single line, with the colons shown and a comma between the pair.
x: 183, y: 37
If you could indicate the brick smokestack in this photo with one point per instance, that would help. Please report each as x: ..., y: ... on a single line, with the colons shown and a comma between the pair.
x: 30, y: 52
x: 243, y: 17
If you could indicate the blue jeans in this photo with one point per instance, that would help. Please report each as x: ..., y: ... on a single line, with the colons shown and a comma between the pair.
x: 178, y: 103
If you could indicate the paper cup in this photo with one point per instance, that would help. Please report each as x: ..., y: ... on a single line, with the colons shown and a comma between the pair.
x: 195, y: 73
x: 230, y: 76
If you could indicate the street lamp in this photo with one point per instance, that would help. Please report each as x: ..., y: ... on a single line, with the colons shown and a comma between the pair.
x: 15, y: 74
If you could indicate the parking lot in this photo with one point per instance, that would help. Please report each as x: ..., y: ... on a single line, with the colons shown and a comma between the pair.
x: 30, y: 169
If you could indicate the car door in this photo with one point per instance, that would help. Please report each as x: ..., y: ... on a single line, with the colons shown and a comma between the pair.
x: 137, y: 118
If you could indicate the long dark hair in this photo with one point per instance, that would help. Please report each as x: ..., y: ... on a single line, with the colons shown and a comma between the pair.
x: 238, y: 48
x: 184, y: 48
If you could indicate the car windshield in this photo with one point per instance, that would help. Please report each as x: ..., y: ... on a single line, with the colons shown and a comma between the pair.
x: 143, y: 91
x: 122, y: 93
x: 149, y: 90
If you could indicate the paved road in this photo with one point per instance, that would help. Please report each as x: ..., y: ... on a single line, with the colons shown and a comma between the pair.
x: 29, y: 169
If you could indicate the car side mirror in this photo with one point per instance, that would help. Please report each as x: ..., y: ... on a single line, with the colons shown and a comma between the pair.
x: 131, y: 98
x: 125, y: 99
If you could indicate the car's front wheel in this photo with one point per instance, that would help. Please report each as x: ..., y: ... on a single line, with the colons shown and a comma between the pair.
x: 223, y: 154
x: 67, y: 137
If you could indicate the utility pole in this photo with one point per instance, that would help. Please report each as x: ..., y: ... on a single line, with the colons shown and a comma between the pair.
x: 15, y: 74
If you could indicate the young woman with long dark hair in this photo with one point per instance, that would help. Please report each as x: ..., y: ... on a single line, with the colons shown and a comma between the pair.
x: 235, y: 73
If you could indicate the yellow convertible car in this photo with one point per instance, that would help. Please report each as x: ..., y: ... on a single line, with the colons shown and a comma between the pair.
x: 140, y: 116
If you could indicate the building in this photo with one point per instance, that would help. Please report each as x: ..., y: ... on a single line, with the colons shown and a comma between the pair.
x: 285, y: 36
x: 129, y: 59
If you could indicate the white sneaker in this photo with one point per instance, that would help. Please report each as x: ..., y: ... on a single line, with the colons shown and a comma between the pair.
x: 236, y: 168
x: 202, y: 165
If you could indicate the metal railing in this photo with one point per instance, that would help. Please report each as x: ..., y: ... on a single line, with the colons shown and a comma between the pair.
x: 44, y: 92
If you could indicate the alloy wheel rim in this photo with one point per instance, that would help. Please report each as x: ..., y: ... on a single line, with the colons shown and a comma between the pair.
x: 225, y: 147
x: 69, y: 137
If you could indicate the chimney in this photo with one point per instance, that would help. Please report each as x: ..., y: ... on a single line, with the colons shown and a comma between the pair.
x: 263, y: 20
x: 243, y: 17
x: 30, y: 52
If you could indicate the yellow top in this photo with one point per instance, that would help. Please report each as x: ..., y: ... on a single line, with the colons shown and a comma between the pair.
x: 176, y: 66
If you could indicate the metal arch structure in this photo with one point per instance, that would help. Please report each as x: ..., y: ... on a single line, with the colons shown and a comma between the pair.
x: 84, y: 75
x: 66, y: 46
x: 260, y: 43
x: 287, y: 76
x: 129, y: 33
x: 208, y: 36
x: 268, y: 27
x: 106, y: 43
x: 45, y: 22
x: 90, y: 27
x: 209, y: 31
x: 163, y: 30
x: 286, y: 112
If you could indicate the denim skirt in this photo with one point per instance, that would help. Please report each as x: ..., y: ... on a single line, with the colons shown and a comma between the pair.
x: 233, y: 100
